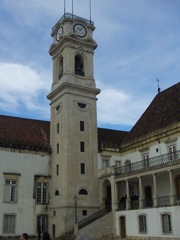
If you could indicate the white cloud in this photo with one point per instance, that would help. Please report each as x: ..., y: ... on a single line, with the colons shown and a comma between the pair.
x: 116, y: 107
x: 21, y: 88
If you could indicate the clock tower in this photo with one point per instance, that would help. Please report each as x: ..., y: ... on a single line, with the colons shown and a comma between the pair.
x: 74, y: 171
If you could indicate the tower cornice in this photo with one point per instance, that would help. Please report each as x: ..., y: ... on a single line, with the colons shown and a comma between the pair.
x: 71, y: 40
x: 68, y: 87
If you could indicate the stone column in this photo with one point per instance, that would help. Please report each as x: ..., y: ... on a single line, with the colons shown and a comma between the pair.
x: 113, y: 198
x: 127, y: 193
x: 140, y: 193
x: 172, y: 199
x: 116, y: 198
x: 155, y: 191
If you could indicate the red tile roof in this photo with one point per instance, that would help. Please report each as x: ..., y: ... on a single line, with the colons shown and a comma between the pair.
x: 163, y: 111
x: 110, y: 138
x: 20, y: 133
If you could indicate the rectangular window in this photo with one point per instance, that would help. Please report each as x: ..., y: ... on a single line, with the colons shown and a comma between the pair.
x: 42, y: 193
x: 84, y: 212
x: 10, y: 190
x: 145, y: 158
x: 118, y: 163
x: 57, y: 148
x: 105, y: 163
x: 9, y: 223
x: 166, y: 222
x: 82, y: 146
x: 82, y: 168
x: 172, y: 150
x: 42, y: 223
x: 82, y: 126
x: 57, y: 127
x: 142, y: 224
x: 57, y: 169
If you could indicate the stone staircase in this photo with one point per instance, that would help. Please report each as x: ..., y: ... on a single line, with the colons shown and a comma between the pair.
x: 91, y: 224
x: 101, y: 227
x: 97, y: 215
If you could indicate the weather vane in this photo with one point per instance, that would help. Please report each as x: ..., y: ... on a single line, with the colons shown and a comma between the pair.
x: 158, y: 86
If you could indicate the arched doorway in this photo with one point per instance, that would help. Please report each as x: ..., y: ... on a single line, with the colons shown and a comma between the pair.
x: 106, y: 194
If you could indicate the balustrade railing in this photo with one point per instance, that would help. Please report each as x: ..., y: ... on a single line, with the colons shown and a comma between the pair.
x: 151, y: 162
x: 177, y: 200
x: 163, y: 201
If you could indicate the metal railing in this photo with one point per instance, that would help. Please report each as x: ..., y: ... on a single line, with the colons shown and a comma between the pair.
x: 72, y: 16
x: 151, y: 162
x: 93, y: 217
x: 177, y: 200
x: 163, y: 201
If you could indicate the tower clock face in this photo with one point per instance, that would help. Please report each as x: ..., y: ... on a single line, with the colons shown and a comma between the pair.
x: 80, y: 30
x: 58, y: 33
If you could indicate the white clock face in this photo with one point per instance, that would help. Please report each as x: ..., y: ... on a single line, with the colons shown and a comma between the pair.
x: 80, y: 30
x: 58, y: 33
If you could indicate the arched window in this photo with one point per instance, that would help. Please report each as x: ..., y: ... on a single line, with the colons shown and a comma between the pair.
x: 60, y: 68
x: 56, y: 193
x: 79, y: 65
x: 83, y: 192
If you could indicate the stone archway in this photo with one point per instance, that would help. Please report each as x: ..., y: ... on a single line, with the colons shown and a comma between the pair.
x: 106, y: 194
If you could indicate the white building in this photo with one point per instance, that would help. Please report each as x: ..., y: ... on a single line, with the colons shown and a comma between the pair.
x: 68, y: 173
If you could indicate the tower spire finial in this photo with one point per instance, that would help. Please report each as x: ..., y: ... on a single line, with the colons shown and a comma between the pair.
x: 159, y: 89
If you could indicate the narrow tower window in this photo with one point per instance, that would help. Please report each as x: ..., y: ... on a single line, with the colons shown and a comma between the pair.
x: 57, y: 127
x: 57, y: 148
x: 82, y: 126
x: 82, y: 147
x: 57, y: 169
x: 82, y: 168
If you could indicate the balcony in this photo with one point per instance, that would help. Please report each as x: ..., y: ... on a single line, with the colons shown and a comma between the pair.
x: 148, y: 163
x: 163, y: 201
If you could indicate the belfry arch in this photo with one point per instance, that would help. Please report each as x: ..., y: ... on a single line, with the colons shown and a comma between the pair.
x: 79, y: 65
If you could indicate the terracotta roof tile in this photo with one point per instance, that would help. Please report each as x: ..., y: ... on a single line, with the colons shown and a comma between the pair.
x: 110, y: 138
x: 20, y: 133
x: 163, y: 111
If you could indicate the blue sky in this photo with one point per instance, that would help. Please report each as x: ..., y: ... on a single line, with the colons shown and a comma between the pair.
x: 138, y: 43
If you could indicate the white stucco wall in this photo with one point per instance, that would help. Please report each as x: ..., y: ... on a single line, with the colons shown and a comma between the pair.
x: 27, y: 165
x: 154, y: 223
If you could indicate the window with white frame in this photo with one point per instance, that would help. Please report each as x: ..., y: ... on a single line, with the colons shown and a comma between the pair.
x: 166, y: 223
x: 145, y: 158
x: 10, y: 192
x: 118, y: 163
x: 142, y: 224
x: 171, y: 151
x: 41, y: 192
x: 42, y: 223
x: 105, y: 163
x: 9, y: 223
